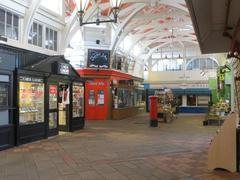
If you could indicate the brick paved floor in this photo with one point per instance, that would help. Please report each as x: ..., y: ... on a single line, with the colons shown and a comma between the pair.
x: 118, y: 150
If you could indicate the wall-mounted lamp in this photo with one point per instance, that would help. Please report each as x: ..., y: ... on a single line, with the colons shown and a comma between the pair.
x: 233, y: 55
x: 82, y: 7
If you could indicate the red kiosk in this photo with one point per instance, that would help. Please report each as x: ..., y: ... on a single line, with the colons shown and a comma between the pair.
x: 101, y: 90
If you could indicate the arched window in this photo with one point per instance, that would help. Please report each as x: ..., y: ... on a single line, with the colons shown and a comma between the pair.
x: 202, y: 63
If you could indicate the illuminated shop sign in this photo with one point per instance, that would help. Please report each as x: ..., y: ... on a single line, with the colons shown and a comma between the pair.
x: 64, y: 68
x: 96, y: 83
x: 30, y: 79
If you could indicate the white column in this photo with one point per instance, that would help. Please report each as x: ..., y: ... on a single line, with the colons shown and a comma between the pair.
x: 184, y: 100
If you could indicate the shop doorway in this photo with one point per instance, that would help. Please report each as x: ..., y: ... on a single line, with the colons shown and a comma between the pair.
x: 58, y: 108
x: 97, y: 100
x: 53, y: 110
x: 63, y: 106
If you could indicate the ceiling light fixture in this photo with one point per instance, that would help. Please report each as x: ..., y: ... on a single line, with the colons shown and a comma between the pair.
x: 82, y: 7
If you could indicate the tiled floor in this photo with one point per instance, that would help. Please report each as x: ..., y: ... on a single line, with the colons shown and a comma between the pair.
x: 124, y: 149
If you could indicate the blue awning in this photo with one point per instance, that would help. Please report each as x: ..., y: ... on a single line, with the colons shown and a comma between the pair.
x: 188, y: 91
x: 198, y: 91
x: 178, y: 91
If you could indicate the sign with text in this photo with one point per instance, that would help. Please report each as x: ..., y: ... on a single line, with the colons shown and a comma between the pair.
x: 98, y: 58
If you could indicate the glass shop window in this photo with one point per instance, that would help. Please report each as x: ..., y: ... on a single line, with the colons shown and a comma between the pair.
x: 4, y: 103
x: 125, y: 98
x: 178, y: 99
x: 191, y: 100
x: 31, y: 103
x: 139, y: 100
x: 9, y: 24
x: 202, y: 100
x: 78, y: 100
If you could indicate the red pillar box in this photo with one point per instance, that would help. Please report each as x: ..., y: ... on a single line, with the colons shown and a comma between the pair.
x: 153, y: 111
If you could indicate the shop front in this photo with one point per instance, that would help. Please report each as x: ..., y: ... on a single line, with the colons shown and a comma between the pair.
x: 7, y: 66
x: 111, y: 94
x: 39, y: 96
x: 50, y: 98
x: 97, y: 95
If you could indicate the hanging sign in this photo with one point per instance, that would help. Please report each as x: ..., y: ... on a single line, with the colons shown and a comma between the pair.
x: 221, y: 78
x: 53, y: 89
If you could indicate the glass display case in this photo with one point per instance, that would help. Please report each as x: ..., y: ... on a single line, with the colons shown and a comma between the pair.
x: 78, y: 100
x: 31, y: 103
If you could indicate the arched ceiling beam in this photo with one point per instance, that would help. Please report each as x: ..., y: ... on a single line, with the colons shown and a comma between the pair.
x: 137, y: 39
x: 147, y: 43
x: 138, y: 8
x: 173, y: 3
x: 122, y: 36
x: 28, y: 19
x: 73, y: 26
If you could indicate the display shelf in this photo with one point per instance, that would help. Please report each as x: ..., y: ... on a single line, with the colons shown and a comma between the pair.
x: 166, y: 105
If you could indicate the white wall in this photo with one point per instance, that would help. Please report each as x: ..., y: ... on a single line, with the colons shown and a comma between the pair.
x: 42, y: 16
x: 178, y: 76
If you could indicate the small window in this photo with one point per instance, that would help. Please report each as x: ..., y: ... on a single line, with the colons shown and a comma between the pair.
x: 35, y: 35
x: 2, y: 16
x: 51, y: 39
x: 191, y: 100
x: 40, y: 35
x: 9, y: 18
x: 55, y: 41
x: 9, y: 24
x: 47, y: 38
x: 202, y: 100
x: 2, y: 29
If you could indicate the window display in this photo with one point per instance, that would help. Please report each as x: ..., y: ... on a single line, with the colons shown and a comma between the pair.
x: 31, y: 102
x: 53, y: 97
x: 125, y: 98
x: 191, y: 100
x: 78, y: 100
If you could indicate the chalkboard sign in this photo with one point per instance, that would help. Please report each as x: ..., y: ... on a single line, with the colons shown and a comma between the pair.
x: 98, y: 58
